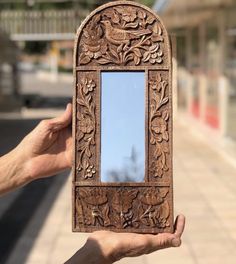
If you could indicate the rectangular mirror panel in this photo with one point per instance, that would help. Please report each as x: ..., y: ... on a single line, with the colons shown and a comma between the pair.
x: 122, y: 126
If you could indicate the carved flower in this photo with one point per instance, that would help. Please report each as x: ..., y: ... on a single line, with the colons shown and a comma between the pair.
x: 88, y: 85
x: 122, y: 200
x: 90, y: 171
x: 154, y: 54
x: 153, y: 84
x: 128, y: 14
x: 93, y: 44
x: 156, y: 85
x: 113, y: 15
x: 94, y: 196
x: 159, y: 126
x: 86, y: 125
x: 94, y: 48
x: 153, y: 196
x: 158, y: 167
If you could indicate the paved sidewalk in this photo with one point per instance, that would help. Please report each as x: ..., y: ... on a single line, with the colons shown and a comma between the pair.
x: 204, y: 189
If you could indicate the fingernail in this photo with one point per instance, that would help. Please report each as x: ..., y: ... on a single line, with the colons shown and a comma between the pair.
x: 176, y: 242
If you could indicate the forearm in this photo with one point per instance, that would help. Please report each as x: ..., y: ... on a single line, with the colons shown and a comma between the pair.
x: 90, y: 253
x: 13, y: 172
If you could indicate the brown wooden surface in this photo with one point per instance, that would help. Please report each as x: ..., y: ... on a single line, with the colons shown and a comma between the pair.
x: 122, y: 36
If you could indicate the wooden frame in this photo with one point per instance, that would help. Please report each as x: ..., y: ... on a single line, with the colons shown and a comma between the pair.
x: 122, y: 36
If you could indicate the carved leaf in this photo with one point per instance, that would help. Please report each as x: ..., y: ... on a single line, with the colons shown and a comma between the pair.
x: 122, y: 200
x: 165, y: 100
x: 88, y: 152
x: 85, y: 164
x: 153, y: 103
x: 157, y: 29
x: 83, y: 193
x: 152, y: 140
x: 131, y: 25
x: 163, y: 192
x: 137, y: 52
x: 83, y: 59
x: 113, y: 16
x: 99, y: 31
x: 136, y: 60
x: 165, y: 136
x: 165, y: 113
x: 160, y: 53
x: 119, y: 49
x: 96, y: 19
x: 119, y: 9
x: 86, y: 33
x: 141, y: 14
x: 103, y: 61
x: 156, y: 38
x: 150, y: 19
x: 81, y: 102
x: 105, y: 213
x: 157, y: 152
x: 116, y: 18
x: 154, y: 48
x: 114, y: 53
x: 146, y: 56
x: 165, y: 147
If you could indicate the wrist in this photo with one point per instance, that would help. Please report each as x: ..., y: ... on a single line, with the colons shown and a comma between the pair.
x: 20, y: 162
x: 13, y: 171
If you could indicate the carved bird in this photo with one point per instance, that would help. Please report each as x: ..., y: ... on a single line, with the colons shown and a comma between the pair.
x: 119, y: 36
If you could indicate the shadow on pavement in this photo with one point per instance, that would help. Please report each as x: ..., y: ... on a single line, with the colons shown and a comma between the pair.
x: 18, y: 210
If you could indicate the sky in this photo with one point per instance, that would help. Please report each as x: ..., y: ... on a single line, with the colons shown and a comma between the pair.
x: 122, y: 124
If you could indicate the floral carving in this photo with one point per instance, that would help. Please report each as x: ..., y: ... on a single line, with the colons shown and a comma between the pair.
x: 94, y: 196
x: 155, y: 210
x: 123, y: 208
x: 118, y: 37
x: 159, y: 126
x: 122, y: 35
x: 86, y: 126
x: 121, y: 202
x: 93, y: 45
x: 92, y: 204
x: 159, y: 135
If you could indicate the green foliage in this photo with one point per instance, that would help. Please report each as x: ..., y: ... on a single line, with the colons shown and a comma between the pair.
x: 35, y: 47
x: 148, y: 3
x: 85, y: 4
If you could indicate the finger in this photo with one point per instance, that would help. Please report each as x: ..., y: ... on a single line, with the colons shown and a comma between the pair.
x: 150, y: 243
x: 165, y: 240
x: 63, y: 120
x: 179, y: 225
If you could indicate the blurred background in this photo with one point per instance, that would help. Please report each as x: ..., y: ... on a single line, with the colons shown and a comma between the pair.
x: 36, y: 49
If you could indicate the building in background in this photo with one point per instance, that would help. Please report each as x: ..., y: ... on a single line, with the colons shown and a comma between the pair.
x: 206, y: 52
x: 9, y: 77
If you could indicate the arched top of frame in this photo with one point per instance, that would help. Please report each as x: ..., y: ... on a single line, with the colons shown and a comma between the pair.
x: 122, y: 33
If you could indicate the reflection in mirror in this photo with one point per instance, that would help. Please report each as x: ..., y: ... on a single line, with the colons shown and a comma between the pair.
x: 122, y: 126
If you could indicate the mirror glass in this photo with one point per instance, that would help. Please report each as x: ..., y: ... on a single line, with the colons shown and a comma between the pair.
x: 122, y: 126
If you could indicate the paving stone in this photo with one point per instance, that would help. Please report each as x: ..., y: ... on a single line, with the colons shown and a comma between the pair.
x: 204, y: 190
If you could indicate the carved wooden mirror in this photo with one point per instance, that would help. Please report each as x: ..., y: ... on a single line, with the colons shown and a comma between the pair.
x: 122, y: 126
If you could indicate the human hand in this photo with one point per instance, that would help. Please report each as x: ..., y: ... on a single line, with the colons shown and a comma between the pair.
x: 106, y: 247
x: 47, y: 150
